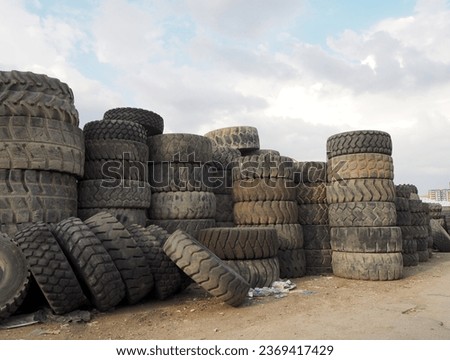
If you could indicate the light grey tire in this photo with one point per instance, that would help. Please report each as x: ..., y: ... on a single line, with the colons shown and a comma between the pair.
x: 311, y: 193
x: 360, y: 190
x: 263, y: 166
x: 237, y: 137
x: 265, y: 212
x: 191, y: 226
x: 369, y: 213
x: 309, y: 172
x: 266, y: 189
x: 124, y: 215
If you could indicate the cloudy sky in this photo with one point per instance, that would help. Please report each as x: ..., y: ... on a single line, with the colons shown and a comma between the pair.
x: 298, y: 70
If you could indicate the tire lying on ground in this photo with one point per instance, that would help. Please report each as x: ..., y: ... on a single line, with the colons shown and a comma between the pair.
x: 51, y: 269
x: 257, y: 272
x: 206, y: 269
x: 441, y: 239
x: 191, y: 226
x: 14, y: 277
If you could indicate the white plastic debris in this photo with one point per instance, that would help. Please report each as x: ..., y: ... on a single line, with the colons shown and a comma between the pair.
x: 278, y: 289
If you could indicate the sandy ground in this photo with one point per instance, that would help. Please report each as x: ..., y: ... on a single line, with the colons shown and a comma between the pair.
x: 321, y: 307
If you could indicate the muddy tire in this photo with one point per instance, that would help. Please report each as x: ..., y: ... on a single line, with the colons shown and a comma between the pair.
x: 317, y: 237
x: 224, y: 156
x: 311, y: 193
x: 362, y: 214
x: 263, y: 166
x: 368, y: 266
x: 224, y: 208
x: 124, y: 215
x: 310, y: 172
x: 292, y: 263
x: 152, y: 122
x: 410, y: 259
x: 111, y: 170
x: 257, y: 272
x: 112, y: 149
x: 237, y: 137
x: 51, y: 269
x: 14, y: 277
x: 206, y: 269
x: 354, y: 190
x: 170, y: 177
x: 441, y: 239
x: 290, y: 236
x: 265, y: 212
x: 313, y: 214
x: 91, y: 262
x: 264, y: 190
x: 114, y: 130
x: 318, y: 258
x: 191, y: 226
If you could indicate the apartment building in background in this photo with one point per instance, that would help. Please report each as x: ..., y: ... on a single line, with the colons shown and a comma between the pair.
x: 439, y: 194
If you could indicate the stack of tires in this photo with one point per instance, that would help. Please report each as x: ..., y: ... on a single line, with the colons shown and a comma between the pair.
x: 365, y: 240
x: 116, y: 174
x: 265, y: 196
x: 446, y: 216
x: 436, y: 213
x: 178, y: 172
x: 426, y: 208
x: 419, y: 224
x: 41, y: 152
x: 404, y: 221
x: 310, y: 178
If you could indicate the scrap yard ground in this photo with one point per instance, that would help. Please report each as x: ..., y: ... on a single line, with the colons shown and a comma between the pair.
x: 321, y: 307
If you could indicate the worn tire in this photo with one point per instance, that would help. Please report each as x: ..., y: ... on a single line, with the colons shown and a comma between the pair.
x: 360, y: 166
x: 320, y: 259
x: 259, y: 152
x: 224, y: 208
x: 112, y: 149
x: 224, y: 157
x: 410, y: 259
x: 292, y: 263
x: 367, y: 266
x: 206, y: 269
x: 14, y: 277
x: 124, y: 215
x: 404, y: 218
x: 265, y: 212
x: 114, y: 130
x: 191, y: 226
x: 115, y: 194
x: 237, y: 137
x: 405, y: 190
x: 125, y: 253
x: 111, y: 170
x: 152, y: 122
x: 441, y: 239
x: 51, y: 269
x: 189, y: 148
x: 362, y: 141
x: 369, y: 239
x: 317, y: 237
x: 257, y: 272
x: 41, y: 144
x: 266, y: 189
x: 263, y: 166
x: 91, y: 262
x: 355, y: 190
x: 313, y: 214
x: 369, y: 213
x: 240, y: 243
x: 309, y: 172
x: 311, y: 193
x: 401, y: 203
x: 170, y: 177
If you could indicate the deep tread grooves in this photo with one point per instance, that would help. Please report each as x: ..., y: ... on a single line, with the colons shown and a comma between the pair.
x: 292, y: 263
x: 363, y: 141
x: 265, y: 212
x: 151, y: 121
x: 257, y: 272
x: 360, y: 166
x: 236, y: 137
x: 114, y: 130
x: 362, y: 214
x: 355, y: 190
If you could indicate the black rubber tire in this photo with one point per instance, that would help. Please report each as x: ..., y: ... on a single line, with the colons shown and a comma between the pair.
x: 318, y: 270
x: 419, y: 219
x: 166, y: 275
x: 317, y: 237
x: 124, y: 215
x: 367, y: 266
x: 169, y: 177
x: 28, y: 81
x: 115, y: 169
x: 292, y: 263
x: 160, y: 233
x: 404, y: 218
x: 265, y: 212
x: 237, y: 137
x: 369, y: 213
x: 354, y: 190
x: 311, y: 193
x: 401, y: 203
x: 415, y: 206
x: 423, y: 255
x: 50, y: 269
x: 290, y: 236
x: 405, y: 190
x: 309, y: 172
x: 415, y: 232
x: 91, y: 262
x: 189, y: 148
x: 362, y: 141
x: 319, y: 259
x: 116, y: 194
x: 410, y: 259
x: 126, y: 254
x: 259, y: 152
x: 224, y: 156
x: 114, y: 130
x: 441, y: 239
x: 183, y: 205
x: 257, y: 272
x: 263, y: 166
x: 266, y: 189
x: 14, y: 277
x: 151, y: 121
x: 241, y: 243
x: 37, y: 104
x: 369, y: 239
x: 112, y: 149
x: 360, y: 166
x: 409, y: 245
x: 224, y: 208
x: 206, y: 269
x: 32, y: 195
x: 191, y: 226
x: 313, y: 214
x: 41, y: 144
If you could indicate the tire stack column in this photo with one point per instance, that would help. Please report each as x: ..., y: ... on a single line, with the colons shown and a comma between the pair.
x: 41, y: 152
x: 366, y: 242
x: 310, y: 178
x: 419, y: 225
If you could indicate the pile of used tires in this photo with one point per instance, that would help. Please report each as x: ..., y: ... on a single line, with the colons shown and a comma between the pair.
x: 120, y: 213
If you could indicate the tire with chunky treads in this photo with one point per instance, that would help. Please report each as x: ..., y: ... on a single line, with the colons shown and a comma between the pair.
x: 91, y: 262
x: 124, y: 215
x: 318, y: 258
x: 191, y: 226
x: 401, y: 203
x: 180, y: 148
x: 51, y: 269
x: 367, y: 266
x: 441, y: 239
x: 259, y: 152
x: 224, y: 156
x: 369, y: 213
x: 115, y: 169
x: 292, y: 263
x: 265, y: 212
x: 290, y: 236
x: 257, y: 272
x: 224, y: 208
x: 405, y: 190
x: 313, y: 214
x: 113, y: 149
x: 151, y: 121
x: 404, y: 218
x: 410, y: 259
x: 14, y: 277
x: 179, y: 205
x: 240, y: 243
x: 41, y: 144
x: 126, y: 254
x: 263, y: 166
x: 237, y: 137
x: 170, y: 176
x: 354, y: 190
x: 317, y: 237
x: 360, y: 166
x: 311, y: 193
x: 266, y: 189
x: 114, y: 193
x: 362, y: 141
x: 114, y: 130
x: 206, y: 269
x: 370, y: 239
x: 310, y: 172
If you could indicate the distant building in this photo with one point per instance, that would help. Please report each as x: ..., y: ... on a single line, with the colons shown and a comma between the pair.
x: 439, y: 194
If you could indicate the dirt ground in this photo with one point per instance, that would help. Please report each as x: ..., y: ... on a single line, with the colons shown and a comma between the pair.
x: 321, y: 307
